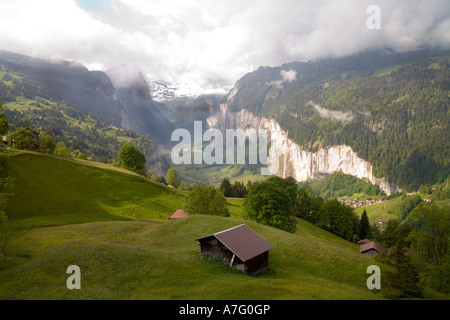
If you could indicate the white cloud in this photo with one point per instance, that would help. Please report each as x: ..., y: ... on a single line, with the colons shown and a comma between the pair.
x: 288, y: 76
x: 344, y: 117
x: 205, y: 44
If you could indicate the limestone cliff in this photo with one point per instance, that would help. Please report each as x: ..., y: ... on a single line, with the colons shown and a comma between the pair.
x: 293, y: 160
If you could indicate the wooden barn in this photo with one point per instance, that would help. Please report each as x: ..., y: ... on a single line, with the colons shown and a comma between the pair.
x: 179, y: 214
x: 372, y: 249
x: 240, y: 247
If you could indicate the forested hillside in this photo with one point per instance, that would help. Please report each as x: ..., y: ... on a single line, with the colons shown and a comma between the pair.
x: 339, y: 184
x: 83, y: 133
x: 392, y: 109
x: 125, y: 104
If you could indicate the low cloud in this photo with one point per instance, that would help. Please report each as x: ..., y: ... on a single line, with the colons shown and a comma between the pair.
x: 344, y: 117
x: 206, y: 45
x: 287, y: 76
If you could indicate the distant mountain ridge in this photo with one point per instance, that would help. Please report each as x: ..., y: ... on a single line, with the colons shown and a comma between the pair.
x: 129, y: 106
x: 391, y: 109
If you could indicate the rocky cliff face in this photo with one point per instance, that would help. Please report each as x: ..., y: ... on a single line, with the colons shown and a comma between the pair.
x: 293, y: 160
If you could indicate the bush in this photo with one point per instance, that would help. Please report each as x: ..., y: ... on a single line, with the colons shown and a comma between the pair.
x: 61, y: 149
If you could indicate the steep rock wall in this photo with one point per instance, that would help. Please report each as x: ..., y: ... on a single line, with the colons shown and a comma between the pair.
x: 293, y: 161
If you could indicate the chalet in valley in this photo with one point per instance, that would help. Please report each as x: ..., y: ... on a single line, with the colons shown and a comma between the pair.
x: 240, y: 247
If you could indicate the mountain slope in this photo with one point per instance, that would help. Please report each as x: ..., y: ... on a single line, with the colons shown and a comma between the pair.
x: 391, y: 109
x: 128, y: 106
x: 92, y: 91
x: 142, y: 114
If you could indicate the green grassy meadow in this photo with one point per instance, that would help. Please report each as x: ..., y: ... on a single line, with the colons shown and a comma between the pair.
x: 51, y: 190
x: 377, y: 212
x: 114, y: 225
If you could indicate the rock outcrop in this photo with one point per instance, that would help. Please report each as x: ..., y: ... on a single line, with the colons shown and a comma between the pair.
x: 293, y: 160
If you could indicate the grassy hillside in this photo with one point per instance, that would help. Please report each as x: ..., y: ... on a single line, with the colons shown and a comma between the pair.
x: 51, y: 190
x: 382, y: 212
x: 214, y: 174
x: 145, y: 260
x: 112, y: 224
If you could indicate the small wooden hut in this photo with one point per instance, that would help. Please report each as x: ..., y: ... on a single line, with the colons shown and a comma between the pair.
x: 240, y: 247
x: 372, y: 249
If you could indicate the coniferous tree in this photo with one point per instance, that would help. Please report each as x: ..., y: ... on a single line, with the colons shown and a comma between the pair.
x: 161, y: 179
x: 225, y: 187
x: 403, y: 280
x: 364, y: 226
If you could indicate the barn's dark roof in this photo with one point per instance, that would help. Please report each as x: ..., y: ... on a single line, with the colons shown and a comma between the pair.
x: 242, y: 241
x: 372, y: 245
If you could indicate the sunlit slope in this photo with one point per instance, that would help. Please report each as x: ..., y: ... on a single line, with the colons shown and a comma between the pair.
x: 145, y: 260
x: 51, y: 190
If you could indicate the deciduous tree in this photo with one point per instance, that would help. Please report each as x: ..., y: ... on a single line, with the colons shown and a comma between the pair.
x: 206, y: 200
x: 132, y: 159
x: 271, y: 202
x: 172, y: 178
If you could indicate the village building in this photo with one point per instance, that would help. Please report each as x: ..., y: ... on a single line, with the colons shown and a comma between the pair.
x: 240, y: 247
x: 371, y: 249
x: 363, y: 242
x: 179, y: 214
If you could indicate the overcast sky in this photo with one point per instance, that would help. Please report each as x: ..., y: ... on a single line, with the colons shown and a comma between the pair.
x: 210, y: 44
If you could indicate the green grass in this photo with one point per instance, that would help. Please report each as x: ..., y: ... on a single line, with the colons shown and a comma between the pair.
x: 214, y: 175
x: 388, y: 70
x: 434, y: 65
x: 234, y: 206
x: 146, y: 260
x: 113, y: 225
x: 377, y: 213
x: 52, y: 190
